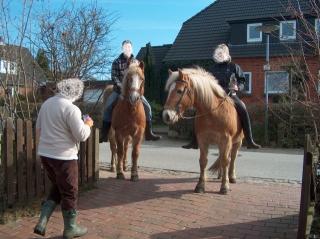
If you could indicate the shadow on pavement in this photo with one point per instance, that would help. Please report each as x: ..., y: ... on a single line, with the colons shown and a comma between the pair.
x: 117, y: 192
x: 269, y: 228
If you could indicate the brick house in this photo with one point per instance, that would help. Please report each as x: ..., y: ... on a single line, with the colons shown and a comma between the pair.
x: 237, y: 23
x: 19, y: 72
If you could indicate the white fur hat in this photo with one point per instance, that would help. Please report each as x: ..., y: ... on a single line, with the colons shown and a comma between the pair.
x: 221, y: 54
x: 71, y: 88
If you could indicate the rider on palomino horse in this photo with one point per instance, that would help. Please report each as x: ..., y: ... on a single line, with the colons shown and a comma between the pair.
x: 231, y: 78
x: 119, y: 66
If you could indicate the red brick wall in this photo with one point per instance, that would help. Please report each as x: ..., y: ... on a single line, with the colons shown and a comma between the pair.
x: 255, y: 66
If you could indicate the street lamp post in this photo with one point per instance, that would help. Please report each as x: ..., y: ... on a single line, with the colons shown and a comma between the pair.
x: 267, y: 29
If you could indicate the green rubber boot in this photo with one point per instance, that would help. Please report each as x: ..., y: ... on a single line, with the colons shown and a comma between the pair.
x: 46, y: 211
x: 71, y: 228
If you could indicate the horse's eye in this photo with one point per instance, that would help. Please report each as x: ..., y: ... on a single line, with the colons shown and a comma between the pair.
x: 179, y: 91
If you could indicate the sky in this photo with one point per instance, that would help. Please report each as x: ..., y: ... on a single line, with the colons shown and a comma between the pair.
x: 157, y: 22
x: 141, y: 21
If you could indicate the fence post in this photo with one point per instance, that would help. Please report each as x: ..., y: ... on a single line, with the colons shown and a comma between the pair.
x: 38, y: 173
x: 96, y: 164
x: 90, y: 158
x: 2, y: 181
x: 83, y: 163
x: 30, y: 161
x: 21, y: 162
x: 9, y: 163
x: 305, y: 188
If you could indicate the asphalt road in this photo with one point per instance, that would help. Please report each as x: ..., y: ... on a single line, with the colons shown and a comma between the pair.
x: 274, y: 164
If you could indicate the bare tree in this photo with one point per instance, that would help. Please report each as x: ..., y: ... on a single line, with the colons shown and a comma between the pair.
x: 71, y: 42
x: 76, y: 41
x: 301, y: 104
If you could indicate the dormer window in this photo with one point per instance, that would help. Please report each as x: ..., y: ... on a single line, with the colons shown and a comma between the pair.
x: 253, y: 34
x: 287, y: 30
x: 317, y: 26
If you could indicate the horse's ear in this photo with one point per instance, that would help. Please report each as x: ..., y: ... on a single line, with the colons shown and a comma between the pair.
x: 141, y: 65
x: 169, y: 72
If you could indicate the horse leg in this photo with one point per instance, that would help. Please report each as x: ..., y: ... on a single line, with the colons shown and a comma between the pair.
x: 113, y: 148
x: 200, y: 188
x: 125, y: 157
x: 232, y: 170
x: 136, y: 143
x: 120, y: 153
x: 224, y: 153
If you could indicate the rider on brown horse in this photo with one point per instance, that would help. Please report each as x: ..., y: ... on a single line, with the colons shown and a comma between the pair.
x: 231, y: 78
x: 119, y: 67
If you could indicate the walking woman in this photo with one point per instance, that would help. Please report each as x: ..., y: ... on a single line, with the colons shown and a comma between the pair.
x: 61, y: 128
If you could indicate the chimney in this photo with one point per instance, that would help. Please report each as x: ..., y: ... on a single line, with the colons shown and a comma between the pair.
x: 1, y: 41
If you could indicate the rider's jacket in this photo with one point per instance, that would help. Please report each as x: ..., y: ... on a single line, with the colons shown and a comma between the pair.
x: 119, y: 65
x: 225, y: 72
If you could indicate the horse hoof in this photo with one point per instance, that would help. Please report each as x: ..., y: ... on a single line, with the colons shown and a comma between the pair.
x: 199, y: 189
x: 120, y: 176
x: 134, y: 178
x: 232, y: 180
x: 224, y: 191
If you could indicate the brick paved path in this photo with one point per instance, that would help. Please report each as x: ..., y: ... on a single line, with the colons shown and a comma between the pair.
x: 162, y: 205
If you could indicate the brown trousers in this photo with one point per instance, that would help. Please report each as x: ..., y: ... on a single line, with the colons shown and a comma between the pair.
x: 63, y: 175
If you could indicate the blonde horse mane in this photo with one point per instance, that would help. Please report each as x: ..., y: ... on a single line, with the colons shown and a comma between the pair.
x: 133, y: 68
x: 205, y: 85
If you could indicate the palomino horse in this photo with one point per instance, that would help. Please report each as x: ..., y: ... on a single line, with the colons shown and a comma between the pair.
x: 216, y: 120
x: 128, y: 118
x: 111, y: 137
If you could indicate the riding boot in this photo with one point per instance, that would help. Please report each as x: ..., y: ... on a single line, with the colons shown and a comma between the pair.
x: 246, y: 126
x: 193, y: 144
x: 104, y: 131
x: 46, y: 212
x: 71, y: 228
x: 149, y: 135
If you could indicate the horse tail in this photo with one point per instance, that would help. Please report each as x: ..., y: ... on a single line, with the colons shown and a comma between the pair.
x: 215, y: 166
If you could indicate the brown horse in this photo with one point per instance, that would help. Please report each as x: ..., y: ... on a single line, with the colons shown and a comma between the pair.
x: 111, y: 137
x: 216, y: 120
x: 128, y: 118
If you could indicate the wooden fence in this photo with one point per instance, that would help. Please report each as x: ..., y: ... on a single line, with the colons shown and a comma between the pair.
x: 310, y: 193
x: 22, y: 178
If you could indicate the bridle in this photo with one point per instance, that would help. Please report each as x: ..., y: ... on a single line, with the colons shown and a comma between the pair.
x: 130, y: 91
x: 186, y: 91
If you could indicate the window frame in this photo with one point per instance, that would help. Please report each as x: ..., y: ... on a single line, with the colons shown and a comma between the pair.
x: 250, y: 40
x: 278, y: 91
x: 289, y: 37
x: 249, y: 92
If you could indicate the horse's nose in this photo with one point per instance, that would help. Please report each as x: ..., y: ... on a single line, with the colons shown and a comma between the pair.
x: 165, y: 117
x: 133, y: 98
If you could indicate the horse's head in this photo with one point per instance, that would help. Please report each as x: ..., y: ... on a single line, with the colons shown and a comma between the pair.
x: 133, y: 84
x: 180, y: 96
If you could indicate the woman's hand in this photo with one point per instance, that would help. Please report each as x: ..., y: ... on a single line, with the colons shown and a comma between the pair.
x: 88, y: 121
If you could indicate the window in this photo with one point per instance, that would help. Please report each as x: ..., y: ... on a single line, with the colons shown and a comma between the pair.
x: 287, y: 30
x: 278, y: 82
x: 317, y: 26
x: 253, y: 34
x: 247, y: 84
x: 8, y: 67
